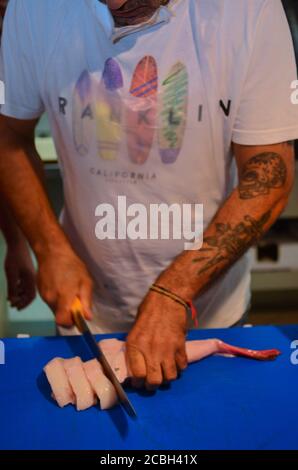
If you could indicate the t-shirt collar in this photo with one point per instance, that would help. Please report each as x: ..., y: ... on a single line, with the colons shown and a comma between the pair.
x: 162, y: 15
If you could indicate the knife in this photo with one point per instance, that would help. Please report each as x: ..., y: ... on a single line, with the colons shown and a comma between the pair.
x: 97, y: 352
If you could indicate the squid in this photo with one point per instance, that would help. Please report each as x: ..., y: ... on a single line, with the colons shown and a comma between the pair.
x: 84, y: 384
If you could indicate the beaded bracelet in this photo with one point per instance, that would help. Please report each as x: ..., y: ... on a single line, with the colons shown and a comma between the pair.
x: 187, y: 304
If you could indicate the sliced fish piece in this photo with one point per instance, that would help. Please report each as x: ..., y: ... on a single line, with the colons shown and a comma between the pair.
x: 58, y: 380
x: 84, y: 395
x: 100, y: 384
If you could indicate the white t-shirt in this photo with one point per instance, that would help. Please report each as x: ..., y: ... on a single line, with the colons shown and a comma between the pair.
x: 150, y: 113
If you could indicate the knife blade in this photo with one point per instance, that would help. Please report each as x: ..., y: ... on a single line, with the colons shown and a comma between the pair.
x: 97, y: 352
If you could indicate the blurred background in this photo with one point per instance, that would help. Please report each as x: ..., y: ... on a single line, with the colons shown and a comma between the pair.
x: 275, y: 266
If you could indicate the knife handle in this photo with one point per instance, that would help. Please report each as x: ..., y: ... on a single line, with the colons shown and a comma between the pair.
x: 77, y: 314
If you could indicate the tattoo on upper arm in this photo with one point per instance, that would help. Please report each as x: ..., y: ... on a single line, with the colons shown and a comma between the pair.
x: 230, y: 243
x: 262, y: 173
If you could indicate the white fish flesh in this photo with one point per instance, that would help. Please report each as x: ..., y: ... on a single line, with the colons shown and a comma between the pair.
x: 80, y: 385
x: 100, y: 384
x: 59, y: 382
x: 75, y: 382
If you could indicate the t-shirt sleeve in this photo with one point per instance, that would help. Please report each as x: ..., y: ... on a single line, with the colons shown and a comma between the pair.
x: 17, y: 65
x: 266, y: 114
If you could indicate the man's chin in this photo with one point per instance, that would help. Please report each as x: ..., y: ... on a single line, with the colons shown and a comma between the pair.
x: 132, y: 21
x: 133, y: 12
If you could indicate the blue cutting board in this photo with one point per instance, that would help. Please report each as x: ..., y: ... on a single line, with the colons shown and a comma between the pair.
x: 218, y: 403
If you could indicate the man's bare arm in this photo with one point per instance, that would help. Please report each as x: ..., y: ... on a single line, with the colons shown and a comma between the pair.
x: 156, y: 344
x: 21, y: 188
x: 61, y: 275
x: 266, y: 176
x: 8, y: 225
x: 18, y: 265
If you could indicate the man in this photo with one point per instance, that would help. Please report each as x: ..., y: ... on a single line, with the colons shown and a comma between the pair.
x: 156, y: 101
x: 19, y: 269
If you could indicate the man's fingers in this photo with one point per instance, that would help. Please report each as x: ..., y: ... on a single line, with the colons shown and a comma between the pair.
x: 12, y: 284
x: 137, y: 383
x: 154, y: 375
x: 14, y: 302
x: 169, y: 369
x: 27, y: 288
x: 181, y: 360
x: 86, y: 298
x: 23, y: 301
x: 63, y: 312
x: 64, y: 318
x: 136, y: 362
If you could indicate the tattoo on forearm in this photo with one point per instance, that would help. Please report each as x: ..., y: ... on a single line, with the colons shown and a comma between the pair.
x: 261, y: 174
x: 230, y: 243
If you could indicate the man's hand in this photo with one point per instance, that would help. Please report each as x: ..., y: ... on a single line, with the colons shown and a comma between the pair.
x: 61, y: 277
x: 20, y: 274
x: 156, y: 343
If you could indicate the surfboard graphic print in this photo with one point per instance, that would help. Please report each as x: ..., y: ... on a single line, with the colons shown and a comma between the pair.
x: 173, y: 113
x: 141, y: 110
x: 82, y: 114
x: 109, y: 111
